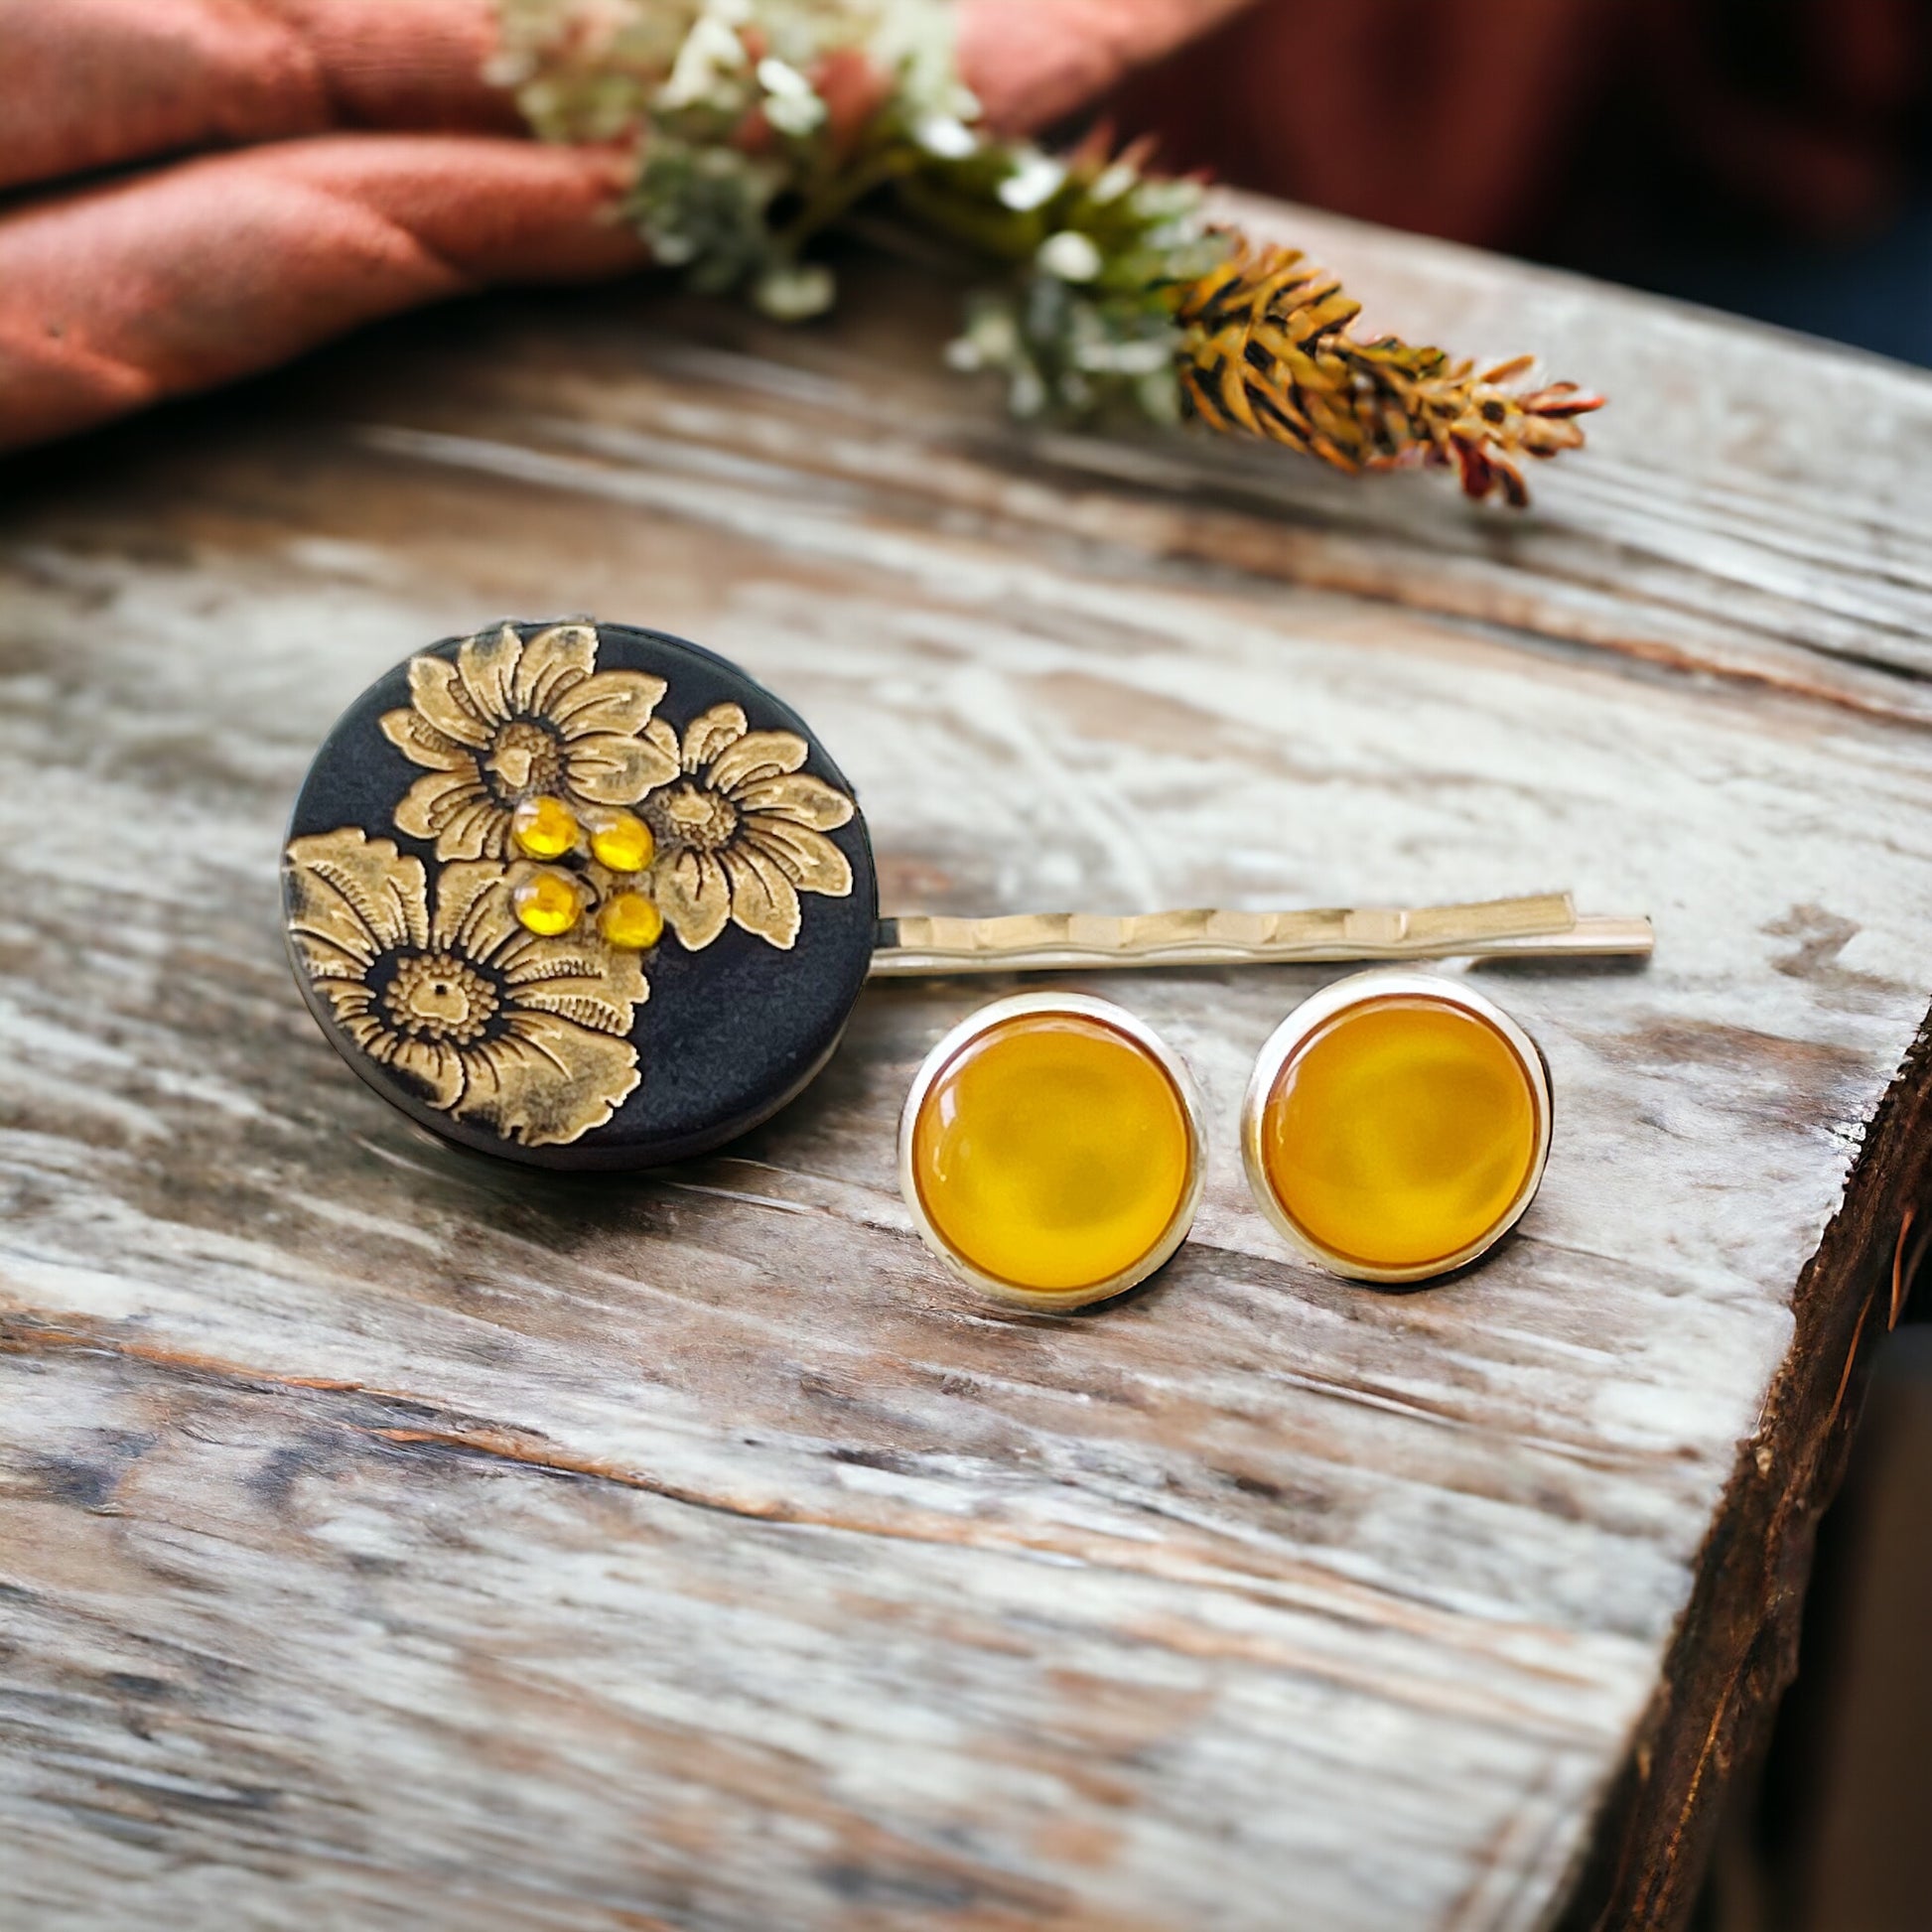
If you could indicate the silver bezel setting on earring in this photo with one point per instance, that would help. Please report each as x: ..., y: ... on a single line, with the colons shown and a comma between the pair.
x: 1357, y: 989
x: 1106, y: 1014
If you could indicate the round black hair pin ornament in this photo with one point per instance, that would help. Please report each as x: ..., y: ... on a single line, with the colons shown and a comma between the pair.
x: 578, y: 895
x: 585, y: 895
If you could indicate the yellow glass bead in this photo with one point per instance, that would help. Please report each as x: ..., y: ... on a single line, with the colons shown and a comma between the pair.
x: 1051, y: 1153
x: 622, y: 842
x: 547, y: 904
x: 1400, y: 1131
x: 630, y: 920
x: 544, y: 827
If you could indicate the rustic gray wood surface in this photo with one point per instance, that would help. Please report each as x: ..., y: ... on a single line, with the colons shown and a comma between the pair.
x: 390, y: 1538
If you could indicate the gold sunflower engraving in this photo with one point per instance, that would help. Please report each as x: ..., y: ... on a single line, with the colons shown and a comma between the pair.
x: 739, y: 830
x: 512, y: 719
x: 487, y: 1021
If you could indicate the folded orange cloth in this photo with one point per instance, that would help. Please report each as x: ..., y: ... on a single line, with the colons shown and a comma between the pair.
x: 204, y: 270
x: 95, y: 84
x: 198, y: 273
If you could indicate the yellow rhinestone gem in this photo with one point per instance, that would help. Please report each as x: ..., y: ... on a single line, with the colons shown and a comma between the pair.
x: 630, y: 920
x: 544, y: 827
x: 623, y: 843
x: 547, y: 904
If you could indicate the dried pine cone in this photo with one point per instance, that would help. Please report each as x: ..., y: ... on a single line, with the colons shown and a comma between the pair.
x: 1265, y: 348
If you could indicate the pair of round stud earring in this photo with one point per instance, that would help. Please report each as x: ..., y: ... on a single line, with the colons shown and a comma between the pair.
x: 1395, y: 1127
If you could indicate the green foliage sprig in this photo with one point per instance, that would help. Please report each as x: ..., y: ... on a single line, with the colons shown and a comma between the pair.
x: 757, y: 124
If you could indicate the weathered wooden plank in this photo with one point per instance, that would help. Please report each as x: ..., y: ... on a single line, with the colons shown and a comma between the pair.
x: 385, y: 1529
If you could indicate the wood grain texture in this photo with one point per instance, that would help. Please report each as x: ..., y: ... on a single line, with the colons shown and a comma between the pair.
x: 394, y: 1539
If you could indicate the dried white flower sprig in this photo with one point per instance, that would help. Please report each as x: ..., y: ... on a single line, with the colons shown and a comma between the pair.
x: 757, y: 124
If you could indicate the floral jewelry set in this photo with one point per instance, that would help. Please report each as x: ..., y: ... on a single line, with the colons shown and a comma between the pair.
x: 589, y: 897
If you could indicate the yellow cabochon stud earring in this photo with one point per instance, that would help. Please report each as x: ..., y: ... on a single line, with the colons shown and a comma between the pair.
x: 1051, y: 1149
x: 1396, y: 1125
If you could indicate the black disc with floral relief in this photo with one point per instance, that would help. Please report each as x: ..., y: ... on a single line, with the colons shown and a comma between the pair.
x: 578, y: 895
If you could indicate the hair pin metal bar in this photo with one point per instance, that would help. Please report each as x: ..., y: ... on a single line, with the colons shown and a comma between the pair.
x: 1547, y: 925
